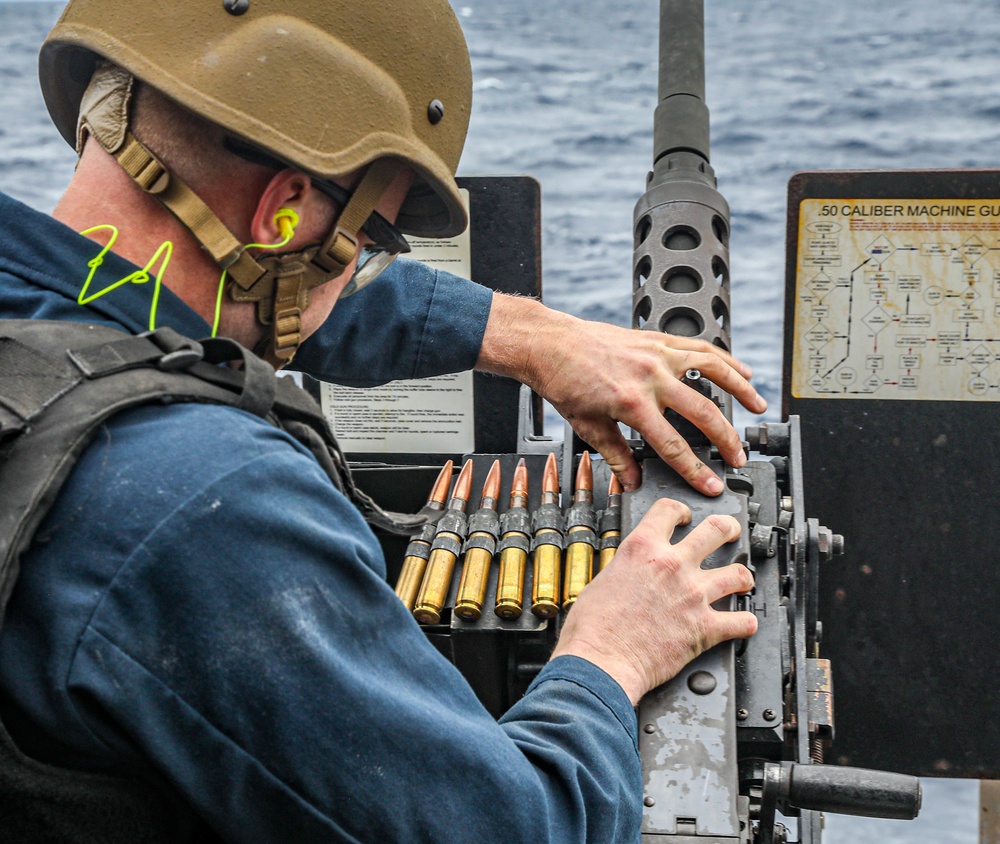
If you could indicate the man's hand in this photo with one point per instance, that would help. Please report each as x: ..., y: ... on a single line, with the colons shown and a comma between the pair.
x: 597, y: 375
x: 648, y: 613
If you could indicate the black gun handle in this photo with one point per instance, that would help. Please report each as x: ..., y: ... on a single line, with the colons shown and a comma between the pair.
x: 848, y: 791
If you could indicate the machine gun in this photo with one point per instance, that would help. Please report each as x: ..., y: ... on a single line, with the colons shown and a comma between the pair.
x: 740, y: 733
x: 738, y: 737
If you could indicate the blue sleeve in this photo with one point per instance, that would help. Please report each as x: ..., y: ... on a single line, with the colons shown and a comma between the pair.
x: 251, y: 647
x: 412, y: 322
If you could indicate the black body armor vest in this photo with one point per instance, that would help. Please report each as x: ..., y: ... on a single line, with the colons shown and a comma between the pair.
x: 59, y: 382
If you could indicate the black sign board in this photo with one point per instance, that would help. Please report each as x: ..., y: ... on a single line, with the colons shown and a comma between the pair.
x: 892, y: 360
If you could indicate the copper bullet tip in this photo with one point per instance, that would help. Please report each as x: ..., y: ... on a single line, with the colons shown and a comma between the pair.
x: 463, y: 488
x: 615, y: 487
x: 585, y: 474
x: 439, y: 495
x: 491, y: 489
x: 519, y: 485
x: 550, y: 478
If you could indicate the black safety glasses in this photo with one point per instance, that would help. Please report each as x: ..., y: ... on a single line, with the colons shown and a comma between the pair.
x: 375, y: 257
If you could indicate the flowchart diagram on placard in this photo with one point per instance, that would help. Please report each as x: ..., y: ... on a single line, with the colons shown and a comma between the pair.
x: 898, y: 299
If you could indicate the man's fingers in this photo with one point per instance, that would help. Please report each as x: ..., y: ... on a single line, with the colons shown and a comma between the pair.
x: 662, y: 518
x: 734, y: 625
x: 676, y: 453
x: 706, y: 416
x: 723, y: 374
x: 734, y: 579
x: 607, y: 438
x: 703, y: 346
x: 709, y: 536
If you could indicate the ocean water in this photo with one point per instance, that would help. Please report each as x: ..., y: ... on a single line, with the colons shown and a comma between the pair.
x: 565, y: 91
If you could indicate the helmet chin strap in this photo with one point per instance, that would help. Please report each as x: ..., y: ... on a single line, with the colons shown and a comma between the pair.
x: 279, y: 284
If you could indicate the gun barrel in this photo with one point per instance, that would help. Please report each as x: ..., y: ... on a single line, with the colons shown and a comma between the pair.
x: 682, y: 120
x: 681, y: 258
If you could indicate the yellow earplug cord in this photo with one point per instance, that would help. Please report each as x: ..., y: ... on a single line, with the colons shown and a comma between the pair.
x: 286, y: 220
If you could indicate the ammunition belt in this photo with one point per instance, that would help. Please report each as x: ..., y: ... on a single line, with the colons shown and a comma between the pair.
x: 482, y: 540
x: 448, y: 542
x: 515, y: 539
x: 548, y: 537
x: 516, y: 519
x: 485, y: 521
x: 612, y: 541
x: 547, y: 517
x: 611, y: 519
x: 581, y: 515
x: 585, y: 536
x: 453, y: 521
x: 419, y: 548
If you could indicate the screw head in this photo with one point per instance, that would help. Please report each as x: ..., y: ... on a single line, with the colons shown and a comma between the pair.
x: 236, y: 7
x: 742, y: 715
x: 769, y: 715
x: 649, y: 801
x: 435, y: 112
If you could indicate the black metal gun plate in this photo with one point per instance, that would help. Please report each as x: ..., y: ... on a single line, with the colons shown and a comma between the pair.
x: 892, y: 359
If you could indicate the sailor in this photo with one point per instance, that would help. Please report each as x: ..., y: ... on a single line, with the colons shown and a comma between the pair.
x: 203, y: 623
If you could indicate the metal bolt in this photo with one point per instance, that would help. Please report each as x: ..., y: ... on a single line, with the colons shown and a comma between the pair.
x: 649, y: 728
x: 742, y: 715
x: 763, y: 541
x: 435, y: 112
x: 702, y: 683
x: 837, y: 544
x: 649, y: 801
x: 769, y: 715
x: 788, y: 503
x: 236, y: 7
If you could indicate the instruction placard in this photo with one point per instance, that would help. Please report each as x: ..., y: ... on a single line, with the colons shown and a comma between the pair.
x: 420, y: 416
x: 898, y: 299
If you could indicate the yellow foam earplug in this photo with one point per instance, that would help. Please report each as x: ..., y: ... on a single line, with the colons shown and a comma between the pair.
x: 286, y: 220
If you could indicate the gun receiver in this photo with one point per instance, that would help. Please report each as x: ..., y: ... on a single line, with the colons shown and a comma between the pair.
x: 741, y: 731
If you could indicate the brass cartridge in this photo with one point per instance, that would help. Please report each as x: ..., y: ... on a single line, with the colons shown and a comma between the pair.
x: 484, y: 528
x: 447, y: 545
x: 412, y: 573
x: 611, y: 523
x: 547, y: 545
x: 514, y: 548
x: 581, y: 534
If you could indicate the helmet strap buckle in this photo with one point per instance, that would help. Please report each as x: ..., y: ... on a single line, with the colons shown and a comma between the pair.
x: 337, y: 251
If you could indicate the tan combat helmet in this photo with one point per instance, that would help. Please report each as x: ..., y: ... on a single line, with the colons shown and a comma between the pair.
x: 326, y: 86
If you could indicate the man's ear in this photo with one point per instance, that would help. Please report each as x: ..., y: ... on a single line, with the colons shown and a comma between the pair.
x: 287, y: 189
